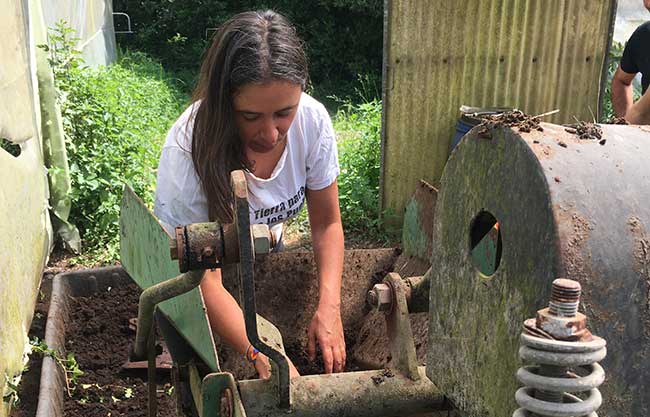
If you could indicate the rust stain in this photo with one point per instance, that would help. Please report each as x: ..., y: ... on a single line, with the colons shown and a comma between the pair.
x: 642, y: 261
x: 574, y: 231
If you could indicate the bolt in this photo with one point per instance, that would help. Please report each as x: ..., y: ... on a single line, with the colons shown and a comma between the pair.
x: 380, y: 297
x: 226, y: 403
x: 207, y: 252
x: 372, y: 298
x: 261, y: 239
x: 565, y: 298
x: 173, y: 249
x: 562, y: 320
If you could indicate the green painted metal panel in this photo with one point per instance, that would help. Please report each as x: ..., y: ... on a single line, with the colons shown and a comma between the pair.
x: 144, y: 252
x: 439, y: 54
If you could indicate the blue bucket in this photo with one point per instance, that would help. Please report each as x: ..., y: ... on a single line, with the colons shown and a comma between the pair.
x: 470, y: 117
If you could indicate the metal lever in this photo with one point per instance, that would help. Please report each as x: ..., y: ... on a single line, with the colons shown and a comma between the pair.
x: 247, y: 279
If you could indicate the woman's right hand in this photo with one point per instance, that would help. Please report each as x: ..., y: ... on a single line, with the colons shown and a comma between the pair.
x: 263, y: 367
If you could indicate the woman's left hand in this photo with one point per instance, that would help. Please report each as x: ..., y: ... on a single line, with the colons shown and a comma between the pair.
x: 326, y: 329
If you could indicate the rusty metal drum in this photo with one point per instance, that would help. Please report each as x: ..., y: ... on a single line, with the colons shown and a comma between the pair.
x: 564, y: 206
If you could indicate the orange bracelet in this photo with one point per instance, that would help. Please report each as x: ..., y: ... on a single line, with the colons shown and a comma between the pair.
x: 252, y: 356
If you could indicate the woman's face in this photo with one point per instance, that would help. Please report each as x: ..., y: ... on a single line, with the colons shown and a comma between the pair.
x: 264, y: 112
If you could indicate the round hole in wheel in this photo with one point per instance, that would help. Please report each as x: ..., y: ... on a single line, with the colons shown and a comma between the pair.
x: 485, y: 243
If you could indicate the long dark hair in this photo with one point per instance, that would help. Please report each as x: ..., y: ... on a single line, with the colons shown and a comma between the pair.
x: 251, y: 47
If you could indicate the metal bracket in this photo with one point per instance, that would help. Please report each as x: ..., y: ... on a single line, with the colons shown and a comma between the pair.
x: 400, y: 334
x: 128, y: 22
x: 220, y: 396
x: 247, y: 279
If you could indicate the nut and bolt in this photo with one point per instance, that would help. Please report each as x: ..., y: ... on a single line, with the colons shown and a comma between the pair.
x: 562, y: 321
x: 561, y: 318
x: 380, y: 297
x: 565, y: 298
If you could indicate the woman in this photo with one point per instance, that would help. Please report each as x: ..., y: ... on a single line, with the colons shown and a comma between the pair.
x: 250, y: 112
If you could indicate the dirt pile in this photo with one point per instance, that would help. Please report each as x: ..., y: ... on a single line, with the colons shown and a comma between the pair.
x: 516, y: 118
x: 100, y: 339
x: 587, y: 131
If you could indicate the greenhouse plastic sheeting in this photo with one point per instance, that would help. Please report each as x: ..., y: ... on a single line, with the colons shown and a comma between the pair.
x: 24, y: 218
x: 54, y: 152
x: 93, y: 22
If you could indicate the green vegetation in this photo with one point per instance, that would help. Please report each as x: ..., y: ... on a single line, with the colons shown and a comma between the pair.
x: 615, y: 54
x: 10, y: 147
x: 358, y: 128
x: 343, y: 38
x: 10, y: 392
x: 68, y: 364
x: 115, y: 120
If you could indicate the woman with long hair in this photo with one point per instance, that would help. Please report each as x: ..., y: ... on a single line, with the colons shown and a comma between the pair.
x: 250, y: 112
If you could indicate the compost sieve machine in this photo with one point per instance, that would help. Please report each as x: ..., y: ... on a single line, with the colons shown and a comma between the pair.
x: 523, y: 216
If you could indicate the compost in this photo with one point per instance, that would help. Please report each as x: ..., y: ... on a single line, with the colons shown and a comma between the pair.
x: 100, y: 338
x: 515, y: 118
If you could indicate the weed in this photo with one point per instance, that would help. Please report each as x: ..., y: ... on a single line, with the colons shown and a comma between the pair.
x: 358, y: 127
x: 69, y: 364
x: 10, y: 394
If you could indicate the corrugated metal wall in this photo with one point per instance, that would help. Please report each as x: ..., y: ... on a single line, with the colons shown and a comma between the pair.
x: 535, y: 55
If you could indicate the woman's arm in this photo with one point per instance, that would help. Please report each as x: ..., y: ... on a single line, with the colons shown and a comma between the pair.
x: 227, y: 320
x: 327, y: 237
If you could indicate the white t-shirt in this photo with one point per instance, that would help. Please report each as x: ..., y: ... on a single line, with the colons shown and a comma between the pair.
x: 309, y: 161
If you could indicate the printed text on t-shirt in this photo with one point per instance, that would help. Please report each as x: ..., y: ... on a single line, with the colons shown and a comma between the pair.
x: 282, y: 211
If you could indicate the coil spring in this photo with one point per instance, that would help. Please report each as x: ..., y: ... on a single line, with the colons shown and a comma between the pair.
x: 549, y: 384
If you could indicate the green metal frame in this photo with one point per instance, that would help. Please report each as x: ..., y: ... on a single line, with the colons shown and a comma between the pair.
x: 144, y: 253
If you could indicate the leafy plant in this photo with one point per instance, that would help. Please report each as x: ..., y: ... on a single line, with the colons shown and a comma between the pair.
x: 69, y: 364
x: 359, y: 127
x: 10, y: 393
x: 115, y: 119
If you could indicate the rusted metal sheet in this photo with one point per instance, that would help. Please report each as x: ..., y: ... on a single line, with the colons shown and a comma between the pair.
x: 567, y: 207
x: 417, y: 227
x: 527, y: 54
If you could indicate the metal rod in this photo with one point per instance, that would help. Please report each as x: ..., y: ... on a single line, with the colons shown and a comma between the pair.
x: 152, y: 408
x: 360, y: 394
x: 154, y: 295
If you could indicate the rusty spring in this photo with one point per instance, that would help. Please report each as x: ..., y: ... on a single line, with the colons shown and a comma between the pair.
x: 560, y: 368
x: 556, y: 356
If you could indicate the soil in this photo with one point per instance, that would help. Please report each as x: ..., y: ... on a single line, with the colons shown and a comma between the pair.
x: 515, y: 118
x: 286, y: 289
x: 618, y: 121
x: 586, y: 131
x: 29, y: 383
x: 100, y: 338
